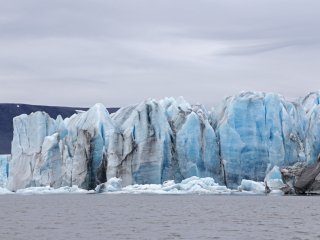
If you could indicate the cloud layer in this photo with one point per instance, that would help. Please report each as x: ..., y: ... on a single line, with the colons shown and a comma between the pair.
x: 77, y: 52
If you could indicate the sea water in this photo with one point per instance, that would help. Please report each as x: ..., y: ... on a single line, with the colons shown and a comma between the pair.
x: 148, y: 216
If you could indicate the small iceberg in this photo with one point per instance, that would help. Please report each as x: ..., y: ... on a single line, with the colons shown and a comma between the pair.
x: 249, y: 186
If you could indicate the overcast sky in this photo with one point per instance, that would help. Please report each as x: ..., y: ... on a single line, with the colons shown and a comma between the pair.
x: 77, y: 52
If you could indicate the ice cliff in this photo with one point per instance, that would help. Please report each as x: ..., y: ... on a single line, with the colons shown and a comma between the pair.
x: 59, y: 152
x: 311, y: 105
x: 155, y: 141
x: 258, y: 131
x: 4, y: 163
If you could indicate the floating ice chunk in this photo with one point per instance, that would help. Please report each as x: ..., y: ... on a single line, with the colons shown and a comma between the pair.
x: 274, y: 179
x: 252, y: 186
x: 277, y: 192
x: 143, y: 188
x: 4, y: 191
x: 202, y: 185
x: 51, y: 190
x: 112, y: 185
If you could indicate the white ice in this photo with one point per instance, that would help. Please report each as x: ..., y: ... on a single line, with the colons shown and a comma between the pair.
x: 192, y: 185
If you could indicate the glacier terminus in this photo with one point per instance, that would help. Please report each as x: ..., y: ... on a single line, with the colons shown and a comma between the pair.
x: 249, y: 136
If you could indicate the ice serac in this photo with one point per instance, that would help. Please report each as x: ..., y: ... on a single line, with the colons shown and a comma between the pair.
x: 59, y: 152
x: 311, y: 105
x: 4, y: 167
x: 305, y: 177
x: 139, y: 151
x: 258, y: 131
x: 84, y: 146
x: 195, y: 148
x: 29, y: 132
x: 158, y: 141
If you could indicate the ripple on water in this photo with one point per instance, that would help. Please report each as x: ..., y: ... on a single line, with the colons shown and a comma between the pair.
x: 158, y: 217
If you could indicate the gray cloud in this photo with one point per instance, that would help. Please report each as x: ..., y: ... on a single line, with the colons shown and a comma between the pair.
x: 78, y: 52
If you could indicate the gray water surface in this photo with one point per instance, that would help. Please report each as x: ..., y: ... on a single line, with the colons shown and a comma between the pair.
x: 125, y: 216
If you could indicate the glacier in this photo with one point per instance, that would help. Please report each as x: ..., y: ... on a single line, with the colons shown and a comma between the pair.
x: 311, y: 105
x: 4, y: 169
x: 249, y: 136
x: 139, y: 150
x: 56, y: 152
x: 259, y: 128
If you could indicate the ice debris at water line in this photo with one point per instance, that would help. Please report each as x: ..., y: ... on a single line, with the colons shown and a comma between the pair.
x: 192, y: 185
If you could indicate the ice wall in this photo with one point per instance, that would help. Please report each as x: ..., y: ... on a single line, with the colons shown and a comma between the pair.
x: 195, y: 148
x: 258, y: 131
x: 4, y: 167
x: 158, y: 141
x: 28, y: 136
x: 311, y: 105
x: 139, y: 151
x: 59, y: 152
x: 154, y: 141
